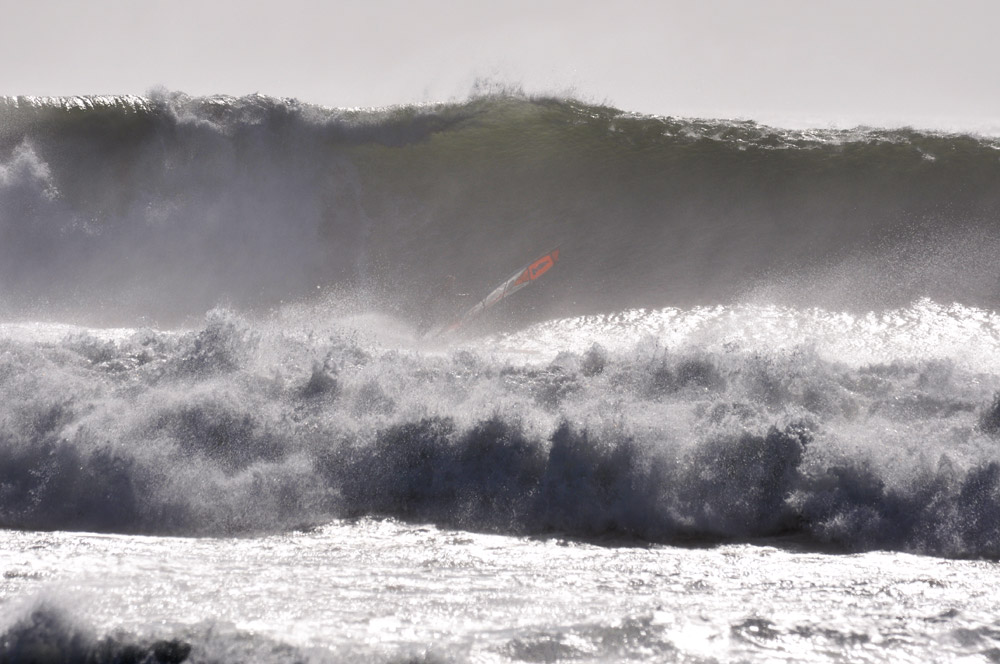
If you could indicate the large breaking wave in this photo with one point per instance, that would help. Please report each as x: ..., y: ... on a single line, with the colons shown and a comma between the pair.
x: 241, y: 427
x: 150, y: 210
x: 741, y: 339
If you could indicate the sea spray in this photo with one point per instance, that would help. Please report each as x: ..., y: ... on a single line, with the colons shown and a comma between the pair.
x: 253, y: 426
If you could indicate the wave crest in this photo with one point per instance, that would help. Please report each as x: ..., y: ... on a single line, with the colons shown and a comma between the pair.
x: 162, y: 208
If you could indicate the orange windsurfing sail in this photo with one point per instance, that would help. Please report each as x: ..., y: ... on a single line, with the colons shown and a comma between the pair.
x: 511, y: 285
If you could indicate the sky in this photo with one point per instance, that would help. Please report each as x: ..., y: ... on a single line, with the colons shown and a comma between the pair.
x: 786, y: 62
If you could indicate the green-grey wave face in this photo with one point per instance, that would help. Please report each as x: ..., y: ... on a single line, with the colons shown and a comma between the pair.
x: 125, y: 209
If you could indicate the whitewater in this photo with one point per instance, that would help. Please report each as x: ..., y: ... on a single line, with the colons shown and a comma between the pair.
x: 753, y: 413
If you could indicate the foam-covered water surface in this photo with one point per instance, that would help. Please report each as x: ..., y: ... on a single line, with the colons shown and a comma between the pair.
x: 374, y: 590
x: 966, y: 336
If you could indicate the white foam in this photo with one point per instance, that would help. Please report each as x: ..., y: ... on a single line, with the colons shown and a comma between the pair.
x: 968, y: 336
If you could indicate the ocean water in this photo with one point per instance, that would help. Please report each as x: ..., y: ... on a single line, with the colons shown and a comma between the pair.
x: 753, y: 413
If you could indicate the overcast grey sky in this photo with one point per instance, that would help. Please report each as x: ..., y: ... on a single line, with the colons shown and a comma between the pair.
x: 929, y: 63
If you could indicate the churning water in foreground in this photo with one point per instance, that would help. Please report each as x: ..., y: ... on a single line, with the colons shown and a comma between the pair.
x: 382, y: 591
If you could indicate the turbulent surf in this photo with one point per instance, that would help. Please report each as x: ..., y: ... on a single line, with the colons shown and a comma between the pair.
x: 760, y: 344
